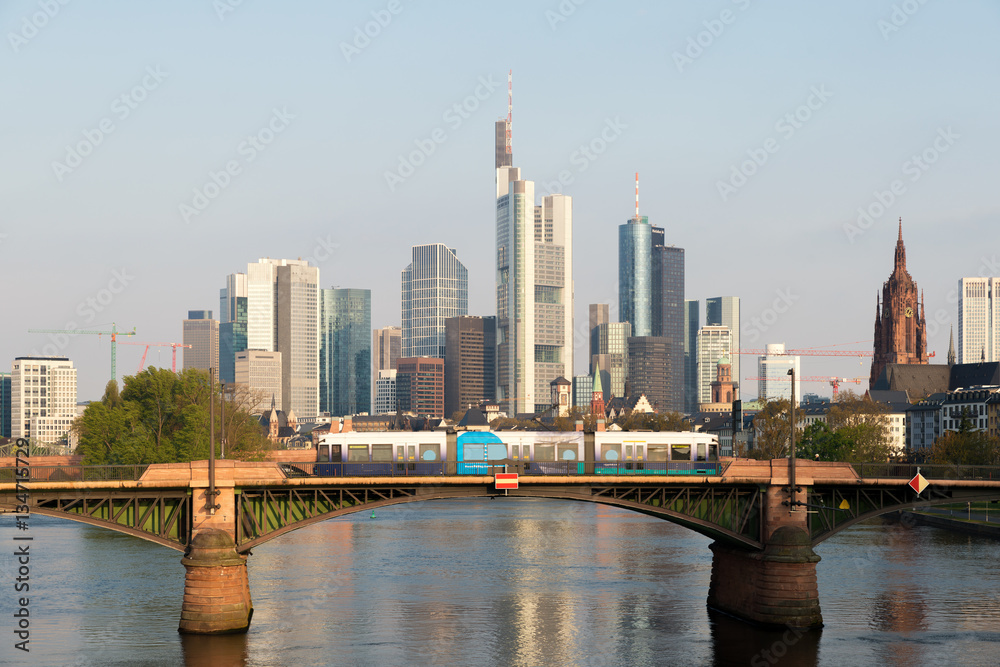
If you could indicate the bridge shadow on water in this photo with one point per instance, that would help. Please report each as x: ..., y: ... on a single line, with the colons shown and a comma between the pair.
x: 215, y: 650
x: 736, y: 642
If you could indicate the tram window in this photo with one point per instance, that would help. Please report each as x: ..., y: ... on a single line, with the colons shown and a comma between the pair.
x: 430, y: 452
x: 680, y: 453
x: 701, y: 451
x: 357, y: 453
x: 515, y: 452
x: 567, y: 452
x: 628, y: 452
x: 495, y: 451
x: 381, y: 452
x: 545, y: 452
x: 656, y: 452
x: 474, y: 451
x: 611, y: 452
x: 324, y: 452
x: 713, y: 452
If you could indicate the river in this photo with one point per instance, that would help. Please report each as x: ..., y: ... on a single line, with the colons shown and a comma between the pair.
x: 501, y: 582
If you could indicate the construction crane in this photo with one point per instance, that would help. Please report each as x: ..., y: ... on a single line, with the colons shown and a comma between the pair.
x: 174, y: 346
x: 114, y: 333
x: 832, y: 381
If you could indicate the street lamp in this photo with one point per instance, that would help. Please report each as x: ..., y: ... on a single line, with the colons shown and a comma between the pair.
x: 791, y: 450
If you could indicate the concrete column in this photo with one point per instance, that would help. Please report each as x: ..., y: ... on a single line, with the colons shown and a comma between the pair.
x: 216, y: 587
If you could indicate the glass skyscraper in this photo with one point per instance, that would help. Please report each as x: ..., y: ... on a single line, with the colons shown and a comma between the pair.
x: 724, y: 311
x: 345, y: 351
x: 435, y: 287
x: 635, y: 275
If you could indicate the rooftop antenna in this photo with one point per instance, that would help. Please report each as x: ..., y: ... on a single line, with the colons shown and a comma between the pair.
x: 637, y: 196
x: 510, y: 105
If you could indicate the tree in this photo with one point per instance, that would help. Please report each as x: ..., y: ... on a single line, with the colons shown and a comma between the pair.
x: 863, y: 422
x: 821, y: 444
x: 653, y: 421
x: 966, y: 446
x: 772, y: 431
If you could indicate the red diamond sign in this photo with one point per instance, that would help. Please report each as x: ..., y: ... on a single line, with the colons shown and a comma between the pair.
x: 918, y: 483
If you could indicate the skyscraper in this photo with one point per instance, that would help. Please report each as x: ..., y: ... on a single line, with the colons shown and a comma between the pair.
x: 232, y: 324
x: 297, y: 319
x: 612, y: 355
x: 724, y: 311
x: 201, y: 332
x: 534, y: 293
x: 345, y: 353
x: 420, y: 386
x: 900, y: 328
x: 260, y: 372
x: 42, y: 398
x: 773, y: 382
x: 469, y: 362
x: 649, y: 370
x: 635, y: 275
x: 387, y: 347
x: 714, y: 342
x: 5, y: 405
x: 435, y: 287
x: 599, y: 314
x: 692, y: 322
x: 385, y: 392
x: 978, y: 320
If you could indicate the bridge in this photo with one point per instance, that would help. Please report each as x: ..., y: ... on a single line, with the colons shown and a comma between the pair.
x: 763, y: 565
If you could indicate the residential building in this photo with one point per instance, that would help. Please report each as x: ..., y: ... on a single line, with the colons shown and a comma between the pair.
x: 260, y: 372
x: 435, y: 287
x: 724, y: 311
x: 420, y: 386
x: 714, y: 343
x: 385, y: 392
x: 773, y: 381
x: 611, y: 355
x: 42, y: 398
x: 900, y: 326
x: 978, y: 320
x: 387, y: 347
x: 201, y: 332
x: 534, y: 293
x: 345, y: 351
x: 469, y: 362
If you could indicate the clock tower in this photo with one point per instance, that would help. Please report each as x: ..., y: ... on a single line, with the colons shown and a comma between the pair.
x: 900, y: 329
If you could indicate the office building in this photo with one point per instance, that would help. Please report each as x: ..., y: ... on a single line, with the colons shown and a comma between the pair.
x: 692, y: 322
x: 668, y: 317
x: 201, y: 332
x: 599, y: 314
x: 420, y: 386
x: 232, y: 324
x: 978, y: 320
x: 469, y: 362
x: 724, y: 311
x: 260, y: 372
x: 345, y: 352
x: 611, y: 356
x: 534, y: 288
x: 297, y: 337
x: 42, y: 398
x: 583, y: 387
x: 435, y: 287
x: 773, y: 381
x: 385, y: 392
x: 649, y: 370
x: 635, y: 275
x: 714, y: 343
x: 4, y: 405
x: 387, y: 347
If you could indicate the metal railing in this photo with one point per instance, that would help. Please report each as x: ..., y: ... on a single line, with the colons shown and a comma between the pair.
x: 930, y: 471
x: 526, y: 468
x: 77, y: 473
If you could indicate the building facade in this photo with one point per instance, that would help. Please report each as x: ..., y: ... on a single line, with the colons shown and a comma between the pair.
x: 692, y: 323
x: 611, y: 355
x: 635, y: 275
x: 5, y: 405
x: 420, y: 386
x: 297, y: 318
x: 900, y: 327
x: 773, y: 381
x: 649, y: 370
x: 345, y: 353
x: 669, y: 313
x: 435, y: 287
x: 387, y: 347
x: 599, y: 313
x: 385, y: 392
x: 724, y: 311
x: 260, y: 372
x: 714, y: 343
x: 978, y: 320
x: 232, y: 324
x: 42, y: 398
x: 470, y: 362
x: 201, y: 332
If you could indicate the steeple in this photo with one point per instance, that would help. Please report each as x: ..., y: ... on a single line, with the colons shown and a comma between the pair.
x: 900, y: 263
x: 951, y: 348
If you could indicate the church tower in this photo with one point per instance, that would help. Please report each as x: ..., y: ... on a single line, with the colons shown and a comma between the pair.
x: 900, y: 328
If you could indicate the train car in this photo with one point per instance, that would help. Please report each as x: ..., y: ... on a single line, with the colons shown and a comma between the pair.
x: 382, y: 453
x: 656, y: 453
x: 528, y: 452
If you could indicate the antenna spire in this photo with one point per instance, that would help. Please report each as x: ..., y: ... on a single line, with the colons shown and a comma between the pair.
x: 510, y: 105
x: 637, y: 196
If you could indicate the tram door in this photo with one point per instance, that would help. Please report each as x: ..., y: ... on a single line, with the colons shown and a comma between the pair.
x: 406, y: 458
x: 515, y: 455
x: 633, y: 455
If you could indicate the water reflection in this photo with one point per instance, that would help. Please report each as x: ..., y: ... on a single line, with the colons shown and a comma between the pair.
x: 737, y: 643
x: 214, y: 651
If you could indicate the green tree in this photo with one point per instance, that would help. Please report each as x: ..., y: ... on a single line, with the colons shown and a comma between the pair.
x: 821, y: 444
x: 772, y: 430
x: 966, y: 446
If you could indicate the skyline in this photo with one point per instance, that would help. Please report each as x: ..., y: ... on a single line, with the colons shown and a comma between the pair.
x: 302, y: 133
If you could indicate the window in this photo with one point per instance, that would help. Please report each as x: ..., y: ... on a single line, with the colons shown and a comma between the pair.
x: 680, y: 452
x: 611, y: 452
x: 381, y: 453
x: 357, y: 453
x: 545, y: 452
x: 430, y: 452
x: 656, y: 452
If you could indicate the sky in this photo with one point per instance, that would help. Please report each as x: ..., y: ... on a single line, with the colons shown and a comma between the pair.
x: 150, y: 149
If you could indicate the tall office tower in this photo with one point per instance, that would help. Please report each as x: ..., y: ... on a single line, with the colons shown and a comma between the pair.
x: 345, y: 351
x: 387, y: 347
x: 261, y: 282
x: 4, y: 405
x: 201, y: 332
x: 470, y: 362
x: 648, y: 370
x: 232, y: 324
x: 599, y: 314
x: 385, y: 392
x: 978, y: 320
x: 420, y: 385
x: 724, y: 311
x: 504, y: 156
x: 773, y: 382
x: 900, y: 327
x: 534, y: 293
x: 435, y: 287
x: 635, y: 275
x: 583, y: 390
x: 692, y: 322
x: 260, y: 372
x: 612, y: 356
x: 297, y: 337
x: 669, y: 315
x: 42, y: 398
x: 714, y: 342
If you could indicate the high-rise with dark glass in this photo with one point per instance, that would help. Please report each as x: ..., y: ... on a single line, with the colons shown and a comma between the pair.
x: 635, y: 275
x: 692, y: 322
x: 724, y: 311
x: 435, y: 287
x: 345, y: 351
x: 232, y: 324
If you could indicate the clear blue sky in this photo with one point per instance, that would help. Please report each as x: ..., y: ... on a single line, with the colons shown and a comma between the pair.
x: 883, y: 88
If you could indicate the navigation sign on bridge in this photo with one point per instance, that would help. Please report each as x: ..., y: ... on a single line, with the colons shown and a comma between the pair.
x: 505, y: 480
x: 918, y: 483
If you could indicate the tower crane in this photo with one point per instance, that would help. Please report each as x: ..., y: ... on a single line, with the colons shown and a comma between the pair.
x: 832, y: 381
x: 114, y: 333
x: 174, y: 346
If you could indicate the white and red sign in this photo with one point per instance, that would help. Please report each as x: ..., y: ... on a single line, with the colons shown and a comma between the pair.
x: 505, y: 480
x: 918, y: 483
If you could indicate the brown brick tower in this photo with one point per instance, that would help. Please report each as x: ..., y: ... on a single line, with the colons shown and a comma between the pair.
x: 900, y: 329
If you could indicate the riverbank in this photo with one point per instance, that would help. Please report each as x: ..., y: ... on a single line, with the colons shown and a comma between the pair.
x: 955, y: 525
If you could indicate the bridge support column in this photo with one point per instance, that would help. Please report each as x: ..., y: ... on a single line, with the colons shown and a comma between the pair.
x: 216, y: 586
x: 776, y: 587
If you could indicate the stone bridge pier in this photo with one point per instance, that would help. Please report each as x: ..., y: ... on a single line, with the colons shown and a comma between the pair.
x: 775, y: 587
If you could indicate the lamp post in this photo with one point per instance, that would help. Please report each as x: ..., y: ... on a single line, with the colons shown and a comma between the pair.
x: 791, y: 449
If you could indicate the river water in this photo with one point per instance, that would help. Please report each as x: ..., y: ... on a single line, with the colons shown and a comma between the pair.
x: 501, y: 582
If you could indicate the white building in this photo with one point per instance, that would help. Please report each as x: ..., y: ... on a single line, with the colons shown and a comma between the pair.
x: 714, y: 342
x: 534, y: 283
x: 42, y: 398
x: 385, y: 392
x: 773, y: 381
x: 724, y: 311
x: 260, y: 371
x: 978, y: 320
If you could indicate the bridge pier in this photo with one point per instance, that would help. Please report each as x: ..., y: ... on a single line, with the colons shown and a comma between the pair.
x: 216, y: 587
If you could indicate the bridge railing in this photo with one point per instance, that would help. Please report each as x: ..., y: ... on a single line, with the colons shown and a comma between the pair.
x: 53, y: 473
x: 930, y: 471
x: 526, y: 468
